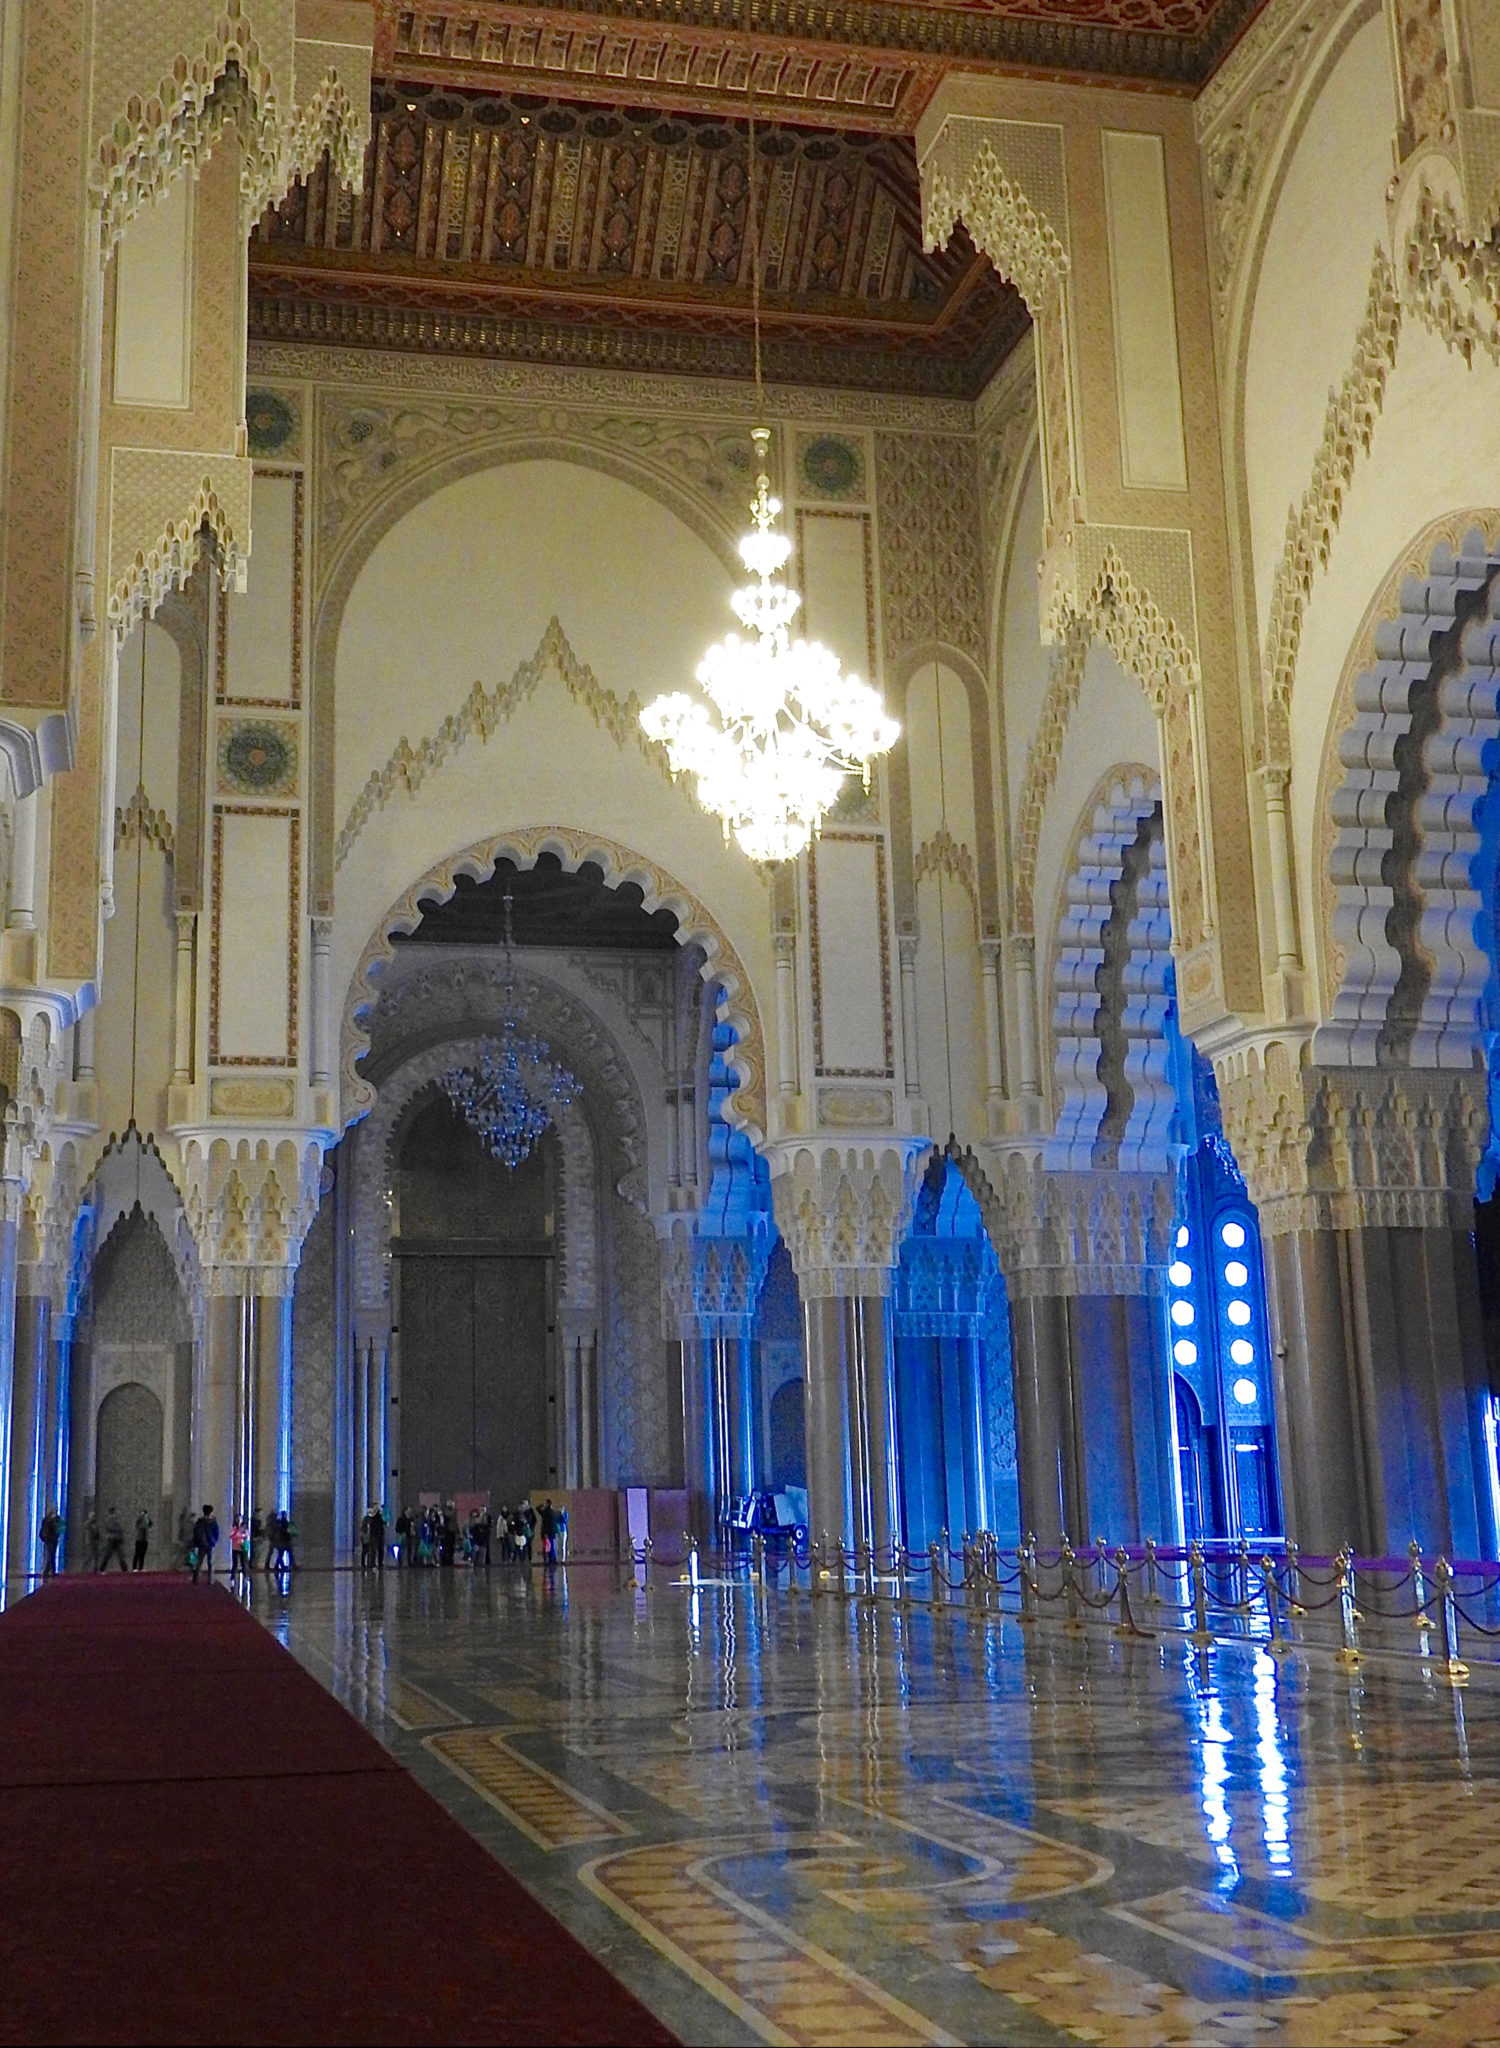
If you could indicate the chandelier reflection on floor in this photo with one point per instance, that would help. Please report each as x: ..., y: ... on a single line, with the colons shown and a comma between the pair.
x: 515, y: 1089
x: 791, y: 726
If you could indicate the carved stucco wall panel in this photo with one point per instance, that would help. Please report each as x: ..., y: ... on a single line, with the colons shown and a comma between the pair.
x: 1147, y: 570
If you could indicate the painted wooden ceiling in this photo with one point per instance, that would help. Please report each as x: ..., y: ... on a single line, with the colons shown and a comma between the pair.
x: 570, y: 183
x: 505, y: 225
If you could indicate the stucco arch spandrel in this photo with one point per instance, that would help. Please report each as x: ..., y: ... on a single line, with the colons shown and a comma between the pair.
x: 1414, y: 560
x: 409, y: 449
x: 448, y: 441
x: 986, y: 854
x: 572, y: 847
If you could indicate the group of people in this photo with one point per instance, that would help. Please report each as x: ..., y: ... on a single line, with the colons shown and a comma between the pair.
x: 435, y: 1536
x: 246, y: 1536
x: 198, y: 1541
x: 102, y: 1547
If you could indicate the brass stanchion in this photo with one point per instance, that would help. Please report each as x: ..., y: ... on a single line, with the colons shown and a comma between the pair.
x: 1420, y: 1617
x: 935, y: 1577
x: 1347, y: 1655
x: 1126, y: 1625
x: 1294, y: 1583
x: 1278, y: 1646
x: 1029, y: 1590
x: 1153, y: 1597
x: 1074, y: 1622
x: 1200, y: 1633
x: 1453, y: 1667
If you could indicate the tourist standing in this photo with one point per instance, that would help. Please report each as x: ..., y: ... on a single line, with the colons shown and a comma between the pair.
x: 51, y: 1535
x: 142, y: 1541
x: 91, y: 1541
x: 377, y: 1537
x: 114, y: 1540
x: 205, y: 1542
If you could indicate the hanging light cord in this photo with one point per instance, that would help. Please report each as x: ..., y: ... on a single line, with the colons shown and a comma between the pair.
x: 760, y: 395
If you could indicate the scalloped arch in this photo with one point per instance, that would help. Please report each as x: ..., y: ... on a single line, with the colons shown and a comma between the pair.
x: 572, y: 847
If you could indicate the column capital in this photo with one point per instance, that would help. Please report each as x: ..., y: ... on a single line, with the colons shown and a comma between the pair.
x: 1352, y: 1148
x: 843, y: 1210
x: 711, y: 1286
x: 1071, y: 1232
x: 249, y: 1202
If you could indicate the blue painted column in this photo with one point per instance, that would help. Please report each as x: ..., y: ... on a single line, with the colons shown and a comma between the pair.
x: 9, y: 1244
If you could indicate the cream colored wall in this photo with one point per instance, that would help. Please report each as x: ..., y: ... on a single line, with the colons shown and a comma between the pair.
x: 462, y: 590
x: 1310, y: 292
x: 1022, y: 659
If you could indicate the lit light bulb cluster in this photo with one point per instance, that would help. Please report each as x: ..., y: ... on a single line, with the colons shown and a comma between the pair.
x: 787, y: 727
x: 1237, y: 1309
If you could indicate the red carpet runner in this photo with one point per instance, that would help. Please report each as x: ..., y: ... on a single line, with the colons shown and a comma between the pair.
x: 198, y: 1844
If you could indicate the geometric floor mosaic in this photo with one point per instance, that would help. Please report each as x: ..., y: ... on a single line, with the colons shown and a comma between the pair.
x: 788, y: 1820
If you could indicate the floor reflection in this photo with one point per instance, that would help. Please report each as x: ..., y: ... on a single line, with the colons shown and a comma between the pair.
x: 809, y: 1820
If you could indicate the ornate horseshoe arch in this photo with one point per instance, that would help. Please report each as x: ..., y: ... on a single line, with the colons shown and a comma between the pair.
x: 746, y: 1107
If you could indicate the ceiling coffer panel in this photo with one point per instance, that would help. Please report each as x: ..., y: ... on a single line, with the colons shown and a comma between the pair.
x: 512, y: 208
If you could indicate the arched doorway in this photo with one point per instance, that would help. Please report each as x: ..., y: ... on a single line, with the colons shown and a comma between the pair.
x: 474, y: 1303
x: 129, y: 1471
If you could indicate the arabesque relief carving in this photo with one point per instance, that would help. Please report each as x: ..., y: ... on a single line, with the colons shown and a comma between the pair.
x: 1352, y: 1148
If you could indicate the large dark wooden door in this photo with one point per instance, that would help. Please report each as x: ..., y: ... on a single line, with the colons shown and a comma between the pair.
x: 473, y: 1375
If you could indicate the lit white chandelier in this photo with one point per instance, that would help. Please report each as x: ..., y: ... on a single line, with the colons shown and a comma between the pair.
x: 516, y: 1088
x: 787, y: 726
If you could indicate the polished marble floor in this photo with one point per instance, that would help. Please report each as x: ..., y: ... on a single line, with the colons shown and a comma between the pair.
x: 780, y: 1819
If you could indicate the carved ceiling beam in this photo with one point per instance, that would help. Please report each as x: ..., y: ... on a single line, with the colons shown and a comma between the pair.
x: 824, y: 59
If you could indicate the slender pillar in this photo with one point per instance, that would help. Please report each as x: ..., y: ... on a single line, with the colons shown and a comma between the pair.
x: 1323, y: 1479
x: 968, y: 1359
x: 247, y: 1416
x: 825, y: 1398
x: 216, y: 1407
x: 21, y: 913
x: 60, y: 1414
x: 375, y: 1432
x: 873, y: 1357
x: 911, y: 1050
x: 1273, y: 785
x: 322, y: 1002
x: 994, y: 1064
x: 1051, y: 1502
x: 363, y: 1356
x: 739, y: 1381
x: 28, y: 1429
x: 182, y: 1010
x: 699, y: 1436
x: 1023, y: 966
x: 272, y: 1315
x: 786, y: 1015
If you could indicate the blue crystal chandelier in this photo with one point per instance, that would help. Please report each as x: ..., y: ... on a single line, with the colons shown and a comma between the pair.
x: 515, y: 1089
